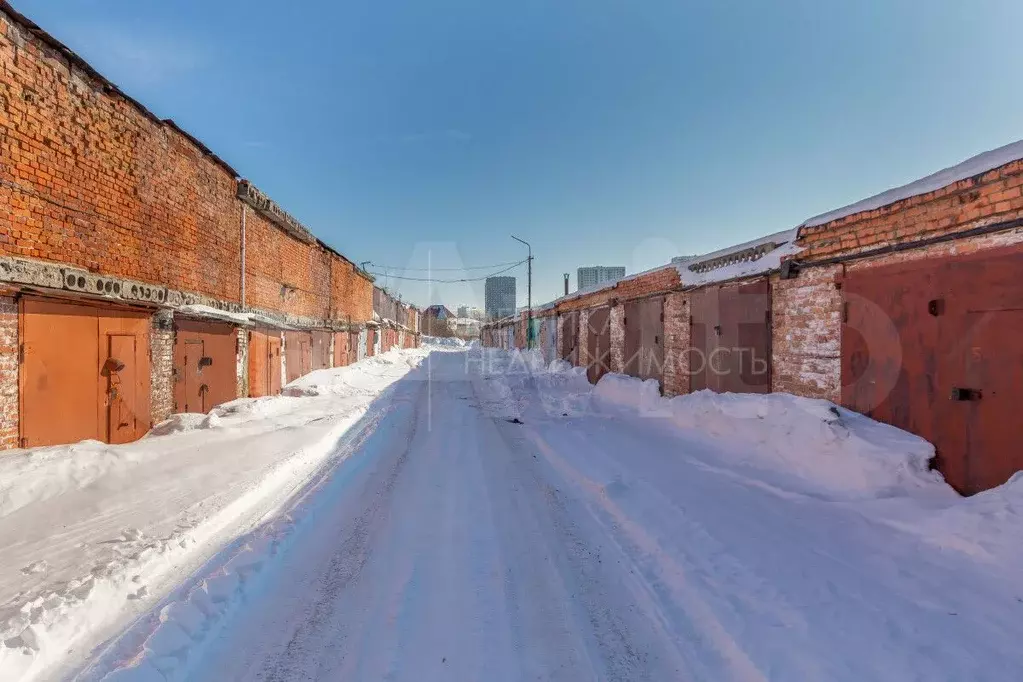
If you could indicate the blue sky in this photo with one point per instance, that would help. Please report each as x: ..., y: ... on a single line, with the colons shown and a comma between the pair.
x: 416, y: 134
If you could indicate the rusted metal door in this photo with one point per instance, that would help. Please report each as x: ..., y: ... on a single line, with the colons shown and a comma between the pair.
x: 259, y: 384
x: 644, y: 338
x: 341, y: 349
x: 273, y: 354
x: 933, y: 347
x: 570, y: 338
x: 205, y: 365
x: 84, y: 373
x: 321, y: 350
x: 730, y: 332
x: 298, y: 350
x: 353, y: 347
x: 264, y: 363
x: 598, y: 343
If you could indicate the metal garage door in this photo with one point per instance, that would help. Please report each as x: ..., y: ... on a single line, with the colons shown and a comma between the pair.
x: 341, y: 349
x: 84, y: 373
x: 598, y: 343
x: 298, y: 354
x: 933, y: 347
x: 644, y: 338
x: 570, y: 338
x: 264, y: 363
x: 731, y: 338
x: 205, y: 365
x: 321, y: 350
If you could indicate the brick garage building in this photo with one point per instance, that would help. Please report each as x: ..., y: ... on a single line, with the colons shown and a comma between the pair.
x: 139, y: 275
x: 905, y: 306
x: 908, y: 307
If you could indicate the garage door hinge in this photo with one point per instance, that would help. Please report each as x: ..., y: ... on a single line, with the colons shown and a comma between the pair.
x: 21, y: 352
x: 845, y: 311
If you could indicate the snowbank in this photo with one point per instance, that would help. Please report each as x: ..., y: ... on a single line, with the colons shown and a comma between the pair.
x: 819, y: 447
x: 94, y: 533
x: 442, y: 341
x: 987, y: 526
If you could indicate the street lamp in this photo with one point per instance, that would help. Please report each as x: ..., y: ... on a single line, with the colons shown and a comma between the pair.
x: 529, y: 292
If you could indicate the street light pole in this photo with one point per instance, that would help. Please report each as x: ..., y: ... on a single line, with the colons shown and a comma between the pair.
x: 529, y: 291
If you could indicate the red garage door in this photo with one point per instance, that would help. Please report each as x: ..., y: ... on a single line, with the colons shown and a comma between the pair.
x: 644, y: 338
x: 298, y: 354
x: 933, y: 347
x: 264, y: 363
x: 84, y: 373
x: 205, y: 365
x: 731, y: 338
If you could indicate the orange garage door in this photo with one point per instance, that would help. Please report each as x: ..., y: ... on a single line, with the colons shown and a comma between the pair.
x: 84, y: 373
x: 205, y: 365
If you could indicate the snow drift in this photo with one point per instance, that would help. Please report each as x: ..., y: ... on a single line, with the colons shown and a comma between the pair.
x: 93, y: 533
x: 815, y: 445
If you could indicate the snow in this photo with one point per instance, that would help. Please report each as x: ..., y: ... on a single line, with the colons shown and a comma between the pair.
x: 967, y: 169
x: 93, y: 534
x: 494, y: 516
x: 442, y: 342
x: 786, y: 246
x: 812, y: 446
x: 201, y: 310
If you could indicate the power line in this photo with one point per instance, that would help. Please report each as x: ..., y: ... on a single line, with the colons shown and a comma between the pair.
x: 466, y: 267
x: 450, y: 281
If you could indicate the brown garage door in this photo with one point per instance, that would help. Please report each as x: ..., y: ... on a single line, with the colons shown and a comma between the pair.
x: 598, y: 343
x: 321, y: 350
x: 340, y: 349
x: 298, y: 352
x: 644, y: 338
x: 731, y: 338
x: 570, y: 338
x: 933, y: 347
x: 84, y: 373
x: 264, y: 363
x: 205, y: 365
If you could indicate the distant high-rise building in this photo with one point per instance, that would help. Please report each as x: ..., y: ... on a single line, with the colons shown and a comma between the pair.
x: 598, y: 274
x: 499, y: 295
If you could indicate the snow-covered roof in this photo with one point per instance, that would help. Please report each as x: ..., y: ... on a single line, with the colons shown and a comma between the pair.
x: 967, y: 169
x: 755, y: 257
x: 199, y: 310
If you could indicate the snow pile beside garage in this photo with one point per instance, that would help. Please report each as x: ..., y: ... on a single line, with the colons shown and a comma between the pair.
x: 359, y: 379
x: 443, y: 342
x: 812, y: 446
x: 93, y: 533
x: 30, y: 476
x: 987, y: 526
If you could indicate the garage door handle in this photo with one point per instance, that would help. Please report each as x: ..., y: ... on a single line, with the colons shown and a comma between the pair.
x: 965, y: 394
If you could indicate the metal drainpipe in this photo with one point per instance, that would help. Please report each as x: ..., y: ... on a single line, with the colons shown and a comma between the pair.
x: 243, y: 256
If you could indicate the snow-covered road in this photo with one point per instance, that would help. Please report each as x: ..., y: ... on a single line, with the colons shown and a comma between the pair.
x: 497, y: 525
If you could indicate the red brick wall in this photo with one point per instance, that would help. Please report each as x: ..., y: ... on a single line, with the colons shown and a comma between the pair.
x: 283, y: 273
x: 992, y: 197
x: 352, y: 294
x: 676, y: 344
x: 8, y: 373
x: 86, y: 178
x: 806, y: 332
